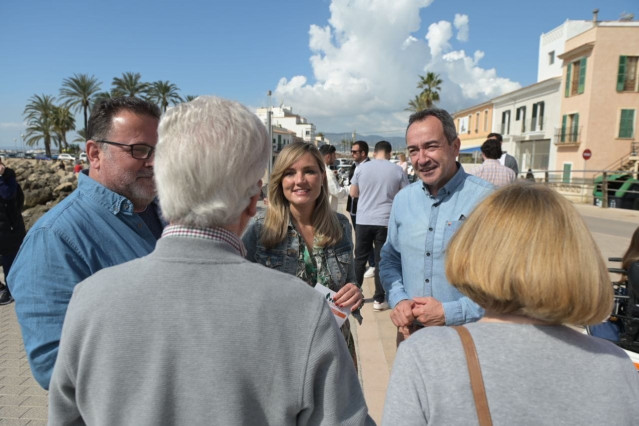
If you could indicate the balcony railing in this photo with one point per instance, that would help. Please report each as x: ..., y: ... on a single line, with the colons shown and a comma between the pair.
x: 568, y: 136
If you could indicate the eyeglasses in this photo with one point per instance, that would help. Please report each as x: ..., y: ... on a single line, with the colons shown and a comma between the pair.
x: 139, y: 151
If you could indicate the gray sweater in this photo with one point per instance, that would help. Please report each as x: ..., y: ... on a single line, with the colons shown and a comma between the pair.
x: 534, y: 375
x: 194, y: 334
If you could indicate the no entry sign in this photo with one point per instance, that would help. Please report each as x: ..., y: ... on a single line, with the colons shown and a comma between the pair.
x: 587, y: 154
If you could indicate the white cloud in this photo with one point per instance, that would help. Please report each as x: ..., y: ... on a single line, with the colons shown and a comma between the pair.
x: 366, y: 63
x: 11, y: 125
x: 461, y: 24
x: 438, y: 36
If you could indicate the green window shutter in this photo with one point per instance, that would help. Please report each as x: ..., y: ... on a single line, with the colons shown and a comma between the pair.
x: 564, y: 119
x: 567, y: 172
x: 575, y: 128
x: 621, y: 74
x: 626, y: 123
x: 568, y: 72
x: 582, y: 75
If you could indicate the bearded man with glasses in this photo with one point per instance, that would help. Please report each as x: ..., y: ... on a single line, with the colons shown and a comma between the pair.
x: 109, y: 219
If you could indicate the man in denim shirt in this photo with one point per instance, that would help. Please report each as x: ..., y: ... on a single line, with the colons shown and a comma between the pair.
x: 104, y: 222
x: 423, y: 218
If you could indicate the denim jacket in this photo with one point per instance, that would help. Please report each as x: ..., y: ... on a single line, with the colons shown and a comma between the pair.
x: 284, y: 257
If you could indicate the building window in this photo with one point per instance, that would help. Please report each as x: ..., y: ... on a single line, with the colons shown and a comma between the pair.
x: 570, y: 128
x: 551, y: 57
x: 470, y: 117
x: 477, y: 123
x: 627, y: 123
x: 567, y: 172
x: 627, y: 78
x: 537, y: 122
x: 575, y: 77
x: 505, y: 123
x: 485, y: 120
x: 521, y: 115
x: 463, y: 125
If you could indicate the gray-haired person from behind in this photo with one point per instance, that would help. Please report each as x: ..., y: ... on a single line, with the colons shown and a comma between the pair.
x: 193, y: 333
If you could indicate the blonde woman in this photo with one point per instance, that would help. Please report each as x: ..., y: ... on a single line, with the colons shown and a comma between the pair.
x: 301, y: 235
x: 526, y: 257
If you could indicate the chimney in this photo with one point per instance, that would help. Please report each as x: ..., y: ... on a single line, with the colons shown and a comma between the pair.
x: 594, y: 16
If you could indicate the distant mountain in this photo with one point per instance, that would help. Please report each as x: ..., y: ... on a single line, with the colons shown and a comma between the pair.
x: 398, y: 142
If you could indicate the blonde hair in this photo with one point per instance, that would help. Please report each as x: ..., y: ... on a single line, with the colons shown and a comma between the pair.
x: 525, y: 250
x: 326, y: 226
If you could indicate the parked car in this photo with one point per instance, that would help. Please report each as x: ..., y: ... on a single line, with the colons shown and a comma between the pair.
x: 66, y: 157
x: 83, y: 157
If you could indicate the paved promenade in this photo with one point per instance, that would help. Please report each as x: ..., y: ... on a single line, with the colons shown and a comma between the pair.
x: 23, y: 402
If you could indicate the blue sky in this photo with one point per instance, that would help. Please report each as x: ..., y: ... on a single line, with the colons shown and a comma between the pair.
x: 344, y: 64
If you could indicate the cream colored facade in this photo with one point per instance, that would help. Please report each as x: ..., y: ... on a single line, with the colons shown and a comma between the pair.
x: 474, y: 124
x: 591, y: 102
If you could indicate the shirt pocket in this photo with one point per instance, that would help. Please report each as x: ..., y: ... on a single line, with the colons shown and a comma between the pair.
x: 451, y: 226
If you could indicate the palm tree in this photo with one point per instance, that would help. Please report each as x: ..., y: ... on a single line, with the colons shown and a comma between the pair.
x: 63, y: 122
x: 189, y: 98
x: 163, y: 92
x: 76, y: 91
x: 129, y: 85
x: 417, y: 104
x: 39, y: 113
x: 81, y: 136
x: 430, y: 85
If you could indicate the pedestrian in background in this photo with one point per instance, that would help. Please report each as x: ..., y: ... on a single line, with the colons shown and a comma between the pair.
x: 12, y: 230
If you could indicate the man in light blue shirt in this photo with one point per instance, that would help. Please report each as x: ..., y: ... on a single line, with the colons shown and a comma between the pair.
x: 104, y: 222
x: 423, y: 218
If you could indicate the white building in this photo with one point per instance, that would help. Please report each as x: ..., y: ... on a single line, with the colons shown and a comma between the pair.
x: 283, y: 117
x: 282, y: 137
x: 527, y: 119
x: 551, y: 45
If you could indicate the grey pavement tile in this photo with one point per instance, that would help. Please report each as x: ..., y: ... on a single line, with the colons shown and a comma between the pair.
x: 7, y: 400
x: 12, y: 380
x: 11, y: 389
x: 34, y: 390
x: 10, y: 363
x: 35, y: 401
x: 13, y: 412
x: 14, y: 371
x: 16, y: 422
x: 36, y: 413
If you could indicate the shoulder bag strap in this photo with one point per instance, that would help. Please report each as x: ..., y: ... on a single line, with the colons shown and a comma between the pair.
x: 476, y: 379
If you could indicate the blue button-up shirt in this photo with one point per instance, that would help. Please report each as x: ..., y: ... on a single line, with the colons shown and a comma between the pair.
x: 91, y: 229
x: 419, y: 229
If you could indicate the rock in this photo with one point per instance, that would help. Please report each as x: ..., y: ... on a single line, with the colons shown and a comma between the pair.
x: 32, y: 215
x: 44, y: 185
x: 63, y: 187
x: 35, y: 197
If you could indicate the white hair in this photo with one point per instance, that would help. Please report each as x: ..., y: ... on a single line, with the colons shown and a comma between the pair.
x: 210, y: 155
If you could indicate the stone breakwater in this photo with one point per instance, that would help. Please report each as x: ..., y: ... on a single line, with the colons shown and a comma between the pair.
x: 44, y: 184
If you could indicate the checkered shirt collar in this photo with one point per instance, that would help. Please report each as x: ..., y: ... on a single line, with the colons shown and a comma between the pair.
x: 215, y: 234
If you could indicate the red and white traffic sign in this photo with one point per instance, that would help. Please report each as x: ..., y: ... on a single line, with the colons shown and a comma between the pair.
x: 587, y: 154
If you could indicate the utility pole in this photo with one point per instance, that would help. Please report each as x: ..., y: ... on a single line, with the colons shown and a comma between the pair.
x: 270, y: 136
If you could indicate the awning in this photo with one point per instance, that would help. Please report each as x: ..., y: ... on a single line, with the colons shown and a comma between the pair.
x: 470, y: 149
